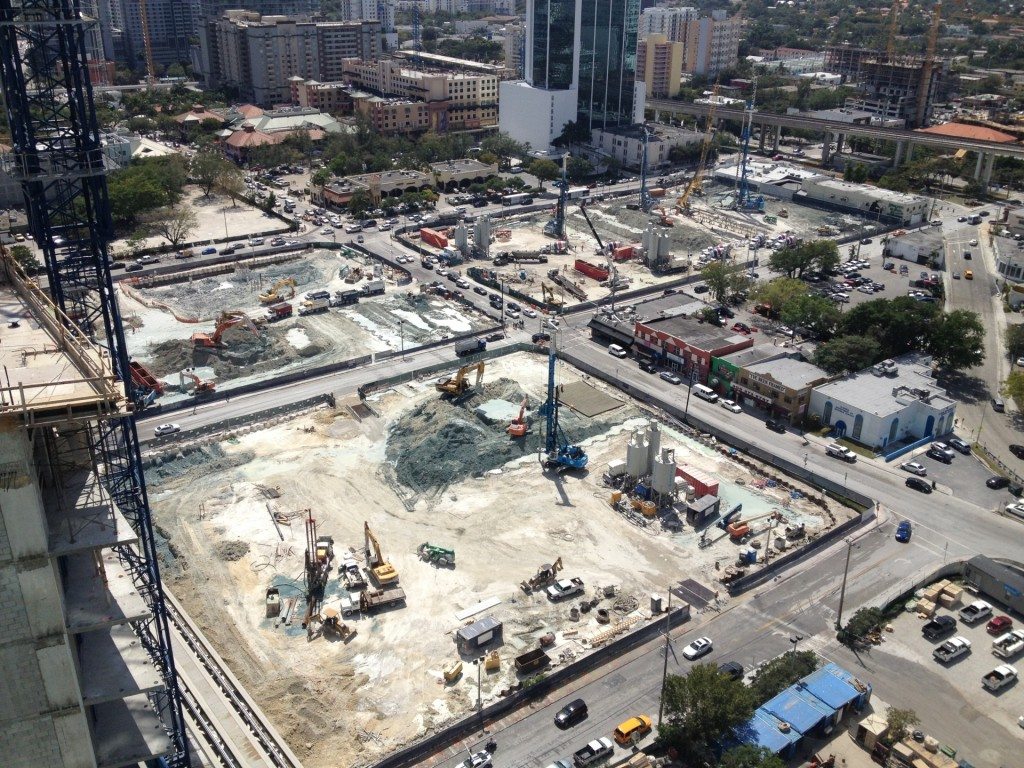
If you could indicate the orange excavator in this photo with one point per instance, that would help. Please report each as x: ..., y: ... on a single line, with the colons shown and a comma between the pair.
x: 224, y: 322
x: 518, y: 426
x: 199, y: 387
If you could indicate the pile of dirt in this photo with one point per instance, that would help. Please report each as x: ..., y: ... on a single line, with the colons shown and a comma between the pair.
x: 209, y: 459
x: 230, y: 551
x: 443, y: 441
x: 269, y: 351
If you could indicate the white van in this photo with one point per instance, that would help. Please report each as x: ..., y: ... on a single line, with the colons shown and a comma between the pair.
x: 705, y: 393
x: 616, y: 351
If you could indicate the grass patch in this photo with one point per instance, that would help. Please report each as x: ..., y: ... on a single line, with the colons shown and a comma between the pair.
x: 982, y: 454
x: 856, y: 448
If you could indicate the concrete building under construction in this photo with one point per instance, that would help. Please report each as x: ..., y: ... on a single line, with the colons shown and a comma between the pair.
x: 903, y: 88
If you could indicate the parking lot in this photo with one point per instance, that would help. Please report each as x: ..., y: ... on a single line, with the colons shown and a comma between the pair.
x: 964, y: 674
x: 965, y: 476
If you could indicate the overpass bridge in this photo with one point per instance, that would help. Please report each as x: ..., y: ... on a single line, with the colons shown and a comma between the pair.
x: 836, y: 131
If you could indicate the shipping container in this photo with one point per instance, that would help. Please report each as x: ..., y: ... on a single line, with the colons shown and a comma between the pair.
x: 433, y: 237
x: 591, y: 270
x: 622, y: 253
x: 703, y: 483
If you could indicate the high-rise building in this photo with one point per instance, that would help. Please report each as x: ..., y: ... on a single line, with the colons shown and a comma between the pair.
x: 659, y: 64
x: 258, y: 55
x: 171, y: 25
x: 214, y: 9
x: 711, y: 41
x: 513, y: 46
x: 609, y: 94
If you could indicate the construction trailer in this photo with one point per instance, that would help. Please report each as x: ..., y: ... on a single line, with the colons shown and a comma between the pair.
x: 478, y: 634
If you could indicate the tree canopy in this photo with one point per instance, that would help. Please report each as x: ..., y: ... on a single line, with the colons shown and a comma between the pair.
x: 701, y: 708
x: 956, y: 339
x: 775, y: 676
x: 724, y: 279
x: 899, y: 325
x: 815, y: 255
x: 144, y: 186
x: 817, y: 315
x: 750, y: 756
x: 846, y: 354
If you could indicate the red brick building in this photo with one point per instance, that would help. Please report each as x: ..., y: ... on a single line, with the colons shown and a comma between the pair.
x: 680, y: 343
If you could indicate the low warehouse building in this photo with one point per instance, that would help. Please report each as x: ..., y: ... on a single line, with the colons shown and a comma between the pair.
x: 685, y: 344
x: 781, y: 387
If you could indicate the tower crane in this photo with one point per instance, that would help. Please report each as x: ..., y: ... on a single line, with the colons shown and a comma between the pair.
x: 927, y: 68
x: 746, y: 201
x: 683, y: 202
x: 147, y: 43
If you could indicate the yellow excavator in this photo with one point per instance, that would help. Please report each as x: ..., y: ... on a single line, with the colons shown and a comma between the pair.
x: 383, y: 571
x: 549, y: 296
x: 458, y: 384
x: 273, y: 294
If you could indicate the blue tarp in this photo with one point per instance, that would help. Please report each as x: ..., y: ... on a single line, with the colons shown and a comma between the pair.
x: 762, y: 730
x: 800, y: 709
x: 829, y: 684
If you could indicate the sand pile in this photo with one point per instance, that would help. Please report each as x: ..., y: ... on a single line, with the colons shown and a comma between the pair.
x: 442, y: 441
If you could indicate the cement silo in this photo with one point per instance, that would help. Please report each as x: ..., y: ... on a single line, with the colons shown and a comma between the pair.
x: 663, y: 474
x: 638, y: 455
x: 482, y: 236
x: 461, y: 238
x: 653, y: 442
x: 656, y: 244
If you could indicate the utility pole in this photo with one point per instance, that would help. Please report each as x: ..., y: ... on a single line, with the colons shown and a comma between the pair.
x: 842, y: 591
x: 664, y: 669
x: 693, y: 380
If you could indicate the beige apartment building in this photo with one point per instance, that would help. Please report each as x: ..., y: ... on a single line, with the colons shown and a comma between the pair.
x: 710, y: 41
x: 659, y: 64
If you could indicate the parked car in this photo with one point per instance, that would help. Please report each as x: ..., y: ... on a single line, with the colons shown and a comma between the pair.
x: 904, y: 531
x: 938, y: 627
x: 997, y: 482
x: 648, y: 367
x: 699, y: 647
x: 1017, y: 450
x: 999, y: 625
x: 730, y: 405
x: 960, y: 445
x: 632, y: 730
x: 914, y: 468
x: 539, y: 337
x: 918, y: 484
x: 571, y: 713
x: 975, y: 612
x: 731, y: 669
x: 775, y: 426
x: 670, y: 377
x: 167, y: 429
x: 208, y: 251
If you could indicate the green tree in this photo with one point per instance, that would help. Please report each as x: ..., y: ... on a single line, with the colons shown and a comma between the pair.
x: 360, y: 203
x: 899, y: 325
x: 1013, y: 387
x: 779, y: 292
x: 321, y: 177
x: 578, y: 168
x: 793, y: 261
x: 750, y: 756
x: 815, y: 313
x: 271, y: 202
x: 24, y: 257
x: 863, y: 622
x: 846, y: 354
x: 231, y: 182
x: 724, y: 279
x: 701, y: 708
x: 775, y: 676
x: 901, y: 722
x: 206, y: 168
x: 956, y: 339
x: 544, y: 170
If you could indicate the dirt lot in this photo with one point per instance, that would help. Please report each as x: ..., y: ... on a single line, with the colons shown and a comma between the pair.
x: 161, y: 320
x: 350, y: 702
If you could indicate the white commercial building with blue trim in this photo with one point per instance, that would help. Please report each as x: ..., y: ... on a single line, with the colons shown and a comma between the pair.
x: 895, y: 401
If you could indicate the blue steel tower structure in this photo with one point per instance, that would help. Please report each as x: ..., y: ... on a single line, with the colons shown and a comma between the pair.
x: 58, y: 157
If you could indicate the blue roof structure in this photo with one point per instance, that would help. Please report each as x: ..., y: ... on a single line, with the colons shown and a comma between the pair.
x: 798, y: 708
x: 832, y: 685
x: 762, y: 730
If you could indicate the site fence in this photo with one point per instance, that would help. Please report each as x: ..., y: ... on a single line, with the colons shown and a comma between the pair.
x: 479, y: 721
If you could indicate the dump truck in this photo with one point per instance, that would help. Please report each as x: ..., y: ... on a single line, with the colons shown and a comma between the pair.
x: 312, y: 306
x: 279, y: 311
x: 1000, y: 677
x: 469, y: 346
x: 1009, y: 645
x: 345, y: 298
x: 372, y: 288
x: 594, y: 752
x: 565, y: 588
x: 374, y: 600
x: 953, y: 648
x: 532, y: 660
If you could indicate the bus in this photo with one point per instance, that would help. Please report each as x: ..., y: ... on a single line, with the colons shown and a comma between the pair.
x: 577, y: 193
x: 522, y: 198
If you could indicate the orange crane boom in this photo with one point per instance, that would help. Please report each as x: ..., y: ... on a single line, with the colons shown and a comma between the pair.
x: 147, y: 43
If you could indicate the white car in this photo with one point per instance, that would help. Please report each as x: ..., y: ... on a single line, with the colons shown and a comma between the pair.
x: 481, y: 759
x: 699, y: 647
x: 730, y: 405
x: 974, y: 241
x: 530, y: 312
x: 326, y: 231
x: 167, y: 429
x: 552, y: 322
x: 914, y: 468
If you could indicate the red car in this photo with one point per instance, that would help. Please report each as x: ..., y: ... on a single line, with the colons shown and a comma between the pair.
x: 999, y: 625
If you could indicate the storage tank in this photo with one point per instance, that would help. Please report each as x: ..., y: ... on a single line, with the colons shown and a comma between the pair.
x: 462, y: 238
x: 653, y: 443
x: 663, y: 474
x: 637, y: 455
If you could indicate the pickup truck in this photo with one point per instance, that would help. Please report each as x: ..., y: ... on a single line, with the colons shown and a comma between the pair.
x: 564, y: 588
x: 1009, y: 645
x: 938, y: 627
x: 595, y: 751
x: 837, y: 451
x: 953, y: 648
x: 352, y: 574
x: 1000, y: 677
x: 975, y: 612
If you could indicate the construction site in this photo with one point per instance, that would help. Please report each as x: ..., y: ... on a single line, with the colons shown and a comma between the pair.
x: 354, y: 565
x: 194, y: 331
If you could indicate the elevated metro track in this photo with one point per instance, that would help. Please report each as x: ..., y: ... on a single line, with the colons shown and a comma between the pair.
x: 817, y: 125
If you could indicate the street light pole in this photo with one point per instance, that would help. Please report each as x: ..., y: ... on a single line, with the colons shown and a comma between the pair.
x: 794, y: 639
x: 401, y: 337
x: 842, y: 591
x: 693, y: 380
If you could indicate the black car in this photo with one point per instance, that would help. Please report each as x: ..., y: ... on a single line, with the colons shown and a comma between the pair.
x: 647, y: 366
x: 998, y: 482
x: 481, y: 290
x: 959, y: 445
x: 496, y: 336
x: 725, y: 312
x: 938, y: 627
x: 571, y: 713
x: 935, y: 453
x: 919, y: 485
x: 1017, y: 450
x: 514, y: 307
x: 700, y: 288
x: 539, y: 337
x: 776, y: 426
x: 732, y: 669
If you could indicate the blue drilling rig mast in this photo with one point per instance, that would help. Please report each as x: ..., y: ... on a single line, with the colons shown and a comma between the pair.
x: 59, y: 161
x: 558, y: 452
x: 745, y: 200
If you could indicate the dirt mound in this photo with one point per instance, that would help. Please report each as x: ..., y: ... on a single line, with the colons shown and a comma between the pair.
x: 443, y: 441
x: 231, y: 550
x: 209, y: 458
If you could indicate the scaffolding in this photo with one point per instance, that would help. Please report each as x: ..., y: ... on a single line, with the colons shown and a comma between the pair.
x: 58, y: 158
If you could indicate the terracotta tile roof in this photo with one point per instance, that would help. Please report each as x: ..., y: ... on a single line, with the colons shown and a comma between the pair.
x: 964, y: 131
x: 246, y: 139
x: 197, y: 114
